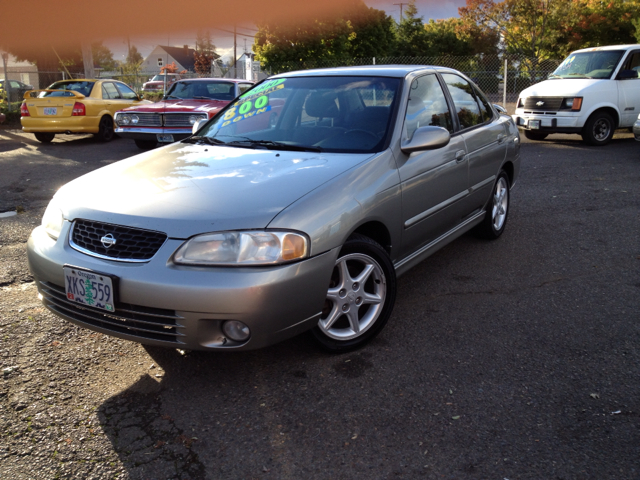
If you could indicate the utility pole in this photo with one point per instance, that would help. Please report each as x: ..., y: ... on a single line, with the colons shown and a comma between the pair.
x: 401, y: 5
x: 235, y: 58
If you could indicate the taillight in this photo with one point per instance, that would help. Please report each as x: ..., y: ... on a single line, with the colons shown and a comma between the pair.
x: 24, y: 111
x: 79, y: 110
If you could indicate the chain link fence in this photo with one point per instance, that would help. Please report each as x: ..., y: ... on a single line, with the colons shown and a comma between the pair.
x: 487, y: 71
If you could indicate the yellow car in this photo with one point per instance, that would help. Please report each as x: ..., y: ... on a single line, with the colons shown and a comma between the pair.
x: 76, y: 106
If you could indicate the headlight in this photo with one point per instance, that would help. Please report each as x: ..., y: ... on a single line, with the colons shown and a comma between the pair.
x: 134, y: 119
x: 52, y: 220
x: 122, y: 119
x: 573, y: 104
x: 242, y: 248
x: 194, y: 118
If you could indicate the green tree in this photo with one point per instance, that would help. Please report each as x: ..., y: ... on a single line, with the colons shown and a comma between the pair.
x: 134, y: 56
x: 356, y: 32
x: 411, y: 35
x: 205, y: 53
x: 103, y: 57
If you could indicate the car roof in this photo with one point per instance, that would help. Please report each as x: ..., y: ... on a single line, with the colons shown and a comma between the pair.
x: 397, y: 71
x: 608, y: 47
x: 224, y: 80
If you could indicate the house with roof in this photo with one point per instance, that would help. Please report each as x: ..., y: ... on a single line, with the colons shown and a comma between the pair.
x: 163, y: 55
x: 25, y: 72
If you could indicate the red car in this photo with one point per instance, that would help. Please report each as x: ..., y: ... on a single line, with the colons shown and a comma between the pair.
x: 156, y: 83
x: 172, y: 119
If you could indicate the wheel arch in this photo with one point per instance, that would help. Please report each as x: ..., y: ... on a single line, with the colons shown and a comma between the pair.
x: 509, y: 168
x: 608, y: 110
x: 376, y: 231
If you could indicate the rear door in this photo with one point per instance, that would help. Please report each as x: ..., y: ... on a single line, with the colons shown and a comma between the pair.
x: 484, y: 135
x: 112, y: 98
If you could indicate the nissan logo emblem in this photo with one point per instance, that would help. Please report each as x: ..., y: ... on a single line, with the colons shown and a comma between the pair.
x: 108, y: 241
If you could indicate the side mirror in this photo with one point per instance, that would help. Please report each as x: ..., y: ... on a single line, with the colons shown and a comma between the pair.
x: 197, y: 125
x: 627, y: 74
x: 426, y: 138
x: 500, y: 108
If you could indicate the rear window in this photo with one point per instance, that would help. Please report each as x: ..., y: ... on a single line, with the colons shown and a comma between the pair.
x: 83, y: 88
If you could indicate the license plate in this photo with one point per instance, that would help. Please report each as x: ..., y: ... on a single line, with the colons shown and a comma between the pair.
x: 534, y: 124
x: 165, y: 138
x: 89, y: 288
x: 50, y: 110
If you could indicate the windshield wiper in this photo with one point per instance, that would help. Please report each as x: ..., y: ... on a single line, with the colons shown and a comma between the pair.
x: 172, y: 96
x: 203, y: 139
x: 201, y: 98
x: 552, y: 75
x: 271, y: 145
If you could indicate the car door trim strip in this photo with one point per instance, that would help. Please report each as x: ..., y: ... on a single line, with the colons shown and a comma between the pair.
x: 478, y: 186
x: 412, y: 221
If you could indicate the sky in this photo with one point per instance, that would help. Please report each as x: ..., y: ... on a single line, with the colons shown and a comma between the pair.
x: 428, y: 9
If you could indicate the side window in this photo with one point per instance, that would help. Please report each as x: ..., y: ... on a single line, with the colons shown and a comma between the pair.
x: 427, y: 106
x: 485, y: 107
x: 633, y: 62
x: 243, y: 87
x: 464, y: 100
x: 126, y: 92
x: 110, y: 90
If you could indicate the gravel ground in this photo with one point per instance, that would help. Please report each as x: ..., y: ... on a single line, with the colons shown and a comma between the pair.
x: 515, y: 359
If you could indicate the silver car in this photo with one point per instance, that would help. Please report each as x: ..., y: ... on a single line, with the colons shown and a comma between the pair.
x: 636, y: 129
x: 293, y: 210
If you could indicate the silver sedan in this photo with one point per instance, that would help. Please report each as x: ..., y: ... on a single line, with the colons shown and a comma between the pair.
x: 636, y: 129
x: 292, y: 210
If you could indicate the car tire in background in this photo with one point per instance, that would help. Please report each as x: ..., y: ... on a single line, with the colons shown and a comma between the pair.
x: 360, y: 297
x: 146, y: 144
x: 44, y: 137
x: 495, y: 220
x: 599, y: 129
x: 106, y: 129
x: 535, y: 135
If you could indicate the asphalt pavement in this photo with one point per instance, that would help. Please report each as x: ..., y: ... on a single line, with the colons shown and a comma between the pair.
x: 513, y: 359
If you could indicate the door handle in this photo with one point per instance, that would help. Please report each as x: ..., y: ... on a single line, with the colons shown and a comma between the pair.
x: 460, y: 154
x: 501, y: 137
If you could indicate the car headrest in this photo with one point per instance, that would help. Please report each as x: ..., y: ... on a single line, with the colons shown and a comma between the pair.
x: 322, y: 105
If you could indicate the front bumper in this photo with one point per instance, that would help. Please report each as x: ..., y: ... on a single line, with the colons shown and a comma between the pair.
x: 151, y: 133
x: 80, y: 124
x: 160, y: 303
x: 548, y: 122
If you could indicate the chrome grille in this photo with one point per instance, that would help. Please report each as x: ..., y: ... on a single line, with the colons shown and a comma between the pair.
x: 179, y: 119
x: 147, y: 120
x: 128, y: 319
x: 131, y: 244
x: 550, y: 104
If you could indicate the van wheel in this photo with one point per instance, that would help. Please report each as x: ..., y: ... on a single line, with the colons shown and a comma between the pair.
x: 44, y: 137
x: 105, y: 129
x: 535, y: 135
x: 599, y: 129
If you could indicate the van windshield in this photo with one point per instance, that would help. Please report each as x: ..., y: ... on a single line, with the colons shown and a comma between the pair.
x: 597, y: 64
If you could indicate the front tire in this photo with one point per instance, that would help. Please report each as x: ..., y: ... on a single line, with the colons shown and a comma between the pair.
x: 360, y: 298
x: 535, y: 135
x: 44, y: 137
x: 105, y: 129
x: 599, y: 129
x: 495, y: 220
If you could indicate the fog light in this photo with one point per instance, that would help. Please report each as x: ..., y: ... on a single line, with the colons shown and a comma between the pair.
x: 235, y: 330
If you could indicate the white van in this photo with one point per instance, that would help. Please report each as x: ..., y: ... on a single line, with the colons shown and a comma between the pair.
x: 593, y: 92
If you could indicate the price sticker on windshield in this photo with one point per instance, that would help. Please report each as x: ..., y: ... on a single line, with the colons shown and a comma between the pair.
x: 246, y: 109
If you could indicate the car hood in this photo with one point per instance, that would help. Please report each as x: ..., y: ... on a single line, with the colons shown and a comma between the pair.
x: 184, y: 189
x: 564, y: 87
x: 179, y: 106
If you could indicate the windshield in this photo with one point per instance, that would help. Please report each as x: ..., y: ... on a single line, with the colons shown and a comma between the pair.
x: 596, y: 64
x: 332, y: 114
x: 215, y: 90
x: 83, y: 88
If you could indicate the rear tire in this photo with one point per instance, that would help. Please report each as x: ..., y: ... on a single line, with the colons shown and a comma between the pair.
x: 105, y: 132
x: 45, y: 137
x: 146, y: 144
x: 495, y: 220
x: 535, y: 135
